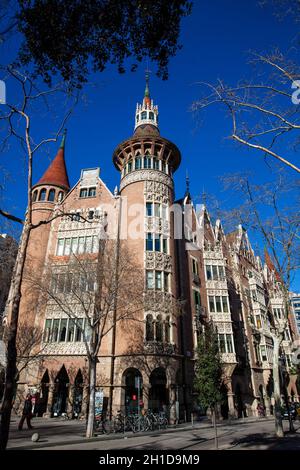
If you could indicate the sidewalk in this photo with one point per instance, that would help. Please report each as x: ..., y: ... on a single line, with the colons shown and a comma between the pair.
x: 56, y: 431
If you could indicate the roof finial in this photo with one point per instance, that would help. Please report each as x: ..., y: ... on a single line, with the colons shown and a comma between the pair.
x: 187, y: 182
x: 204, y: 196
x: 63, y: 140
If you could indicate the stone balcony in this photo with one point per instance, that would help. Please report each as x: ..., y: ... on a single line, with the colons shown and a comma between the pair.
x: 217, y: 285
x: 229, y: 358
x: 159, y: 347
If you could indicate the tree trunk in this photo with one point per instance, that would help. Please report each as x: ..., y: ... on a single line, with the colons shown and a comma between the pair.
x: 13, y: 317
x: 91, y: 414
x: 277, y: 393
x: 214, y: 414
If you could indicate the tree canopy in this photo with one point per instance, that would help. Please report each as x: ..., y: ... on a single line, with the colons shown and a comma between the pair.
x: 70, y: 38
x: 208, y: 369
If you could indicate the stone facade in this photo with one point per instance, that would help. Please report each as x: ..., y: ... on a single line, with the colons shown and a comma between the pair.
x: 199, y: 276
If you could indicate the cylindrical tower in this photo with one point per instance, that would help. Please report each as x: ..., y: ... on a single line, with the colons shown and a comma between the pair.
x: 147, y: 162
x: 46, y: 193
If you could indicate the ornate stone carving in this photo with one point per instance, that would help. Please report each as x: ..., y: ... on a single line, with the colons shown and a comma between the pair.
x: 157, y: 191
x: 147, y: 175
x: 228, y: 358
x: 159, y: 261
x: 161, y: 302
x: 157, y: 225
x: 216, y: 285
x: 64, y: 348
x: 157, y: 347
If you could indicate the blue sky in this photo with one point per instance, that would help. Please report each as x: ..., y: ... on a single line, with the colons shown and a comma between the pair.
x: 216, y: 41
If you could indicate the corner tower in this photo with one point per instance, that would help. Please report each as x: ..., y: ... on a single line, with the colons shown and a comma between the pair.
x: 147, y: 162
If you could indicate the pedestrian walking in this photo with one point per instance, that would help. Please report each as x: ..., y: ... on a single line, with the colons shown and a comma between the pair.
x: 27, y: 413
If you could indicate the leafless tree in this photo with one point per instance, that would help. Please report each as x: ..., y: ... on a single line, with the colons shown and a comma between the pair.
x: 271, y: 212
x: 105, y: 290
x: 264, y: 110
x: 16, y: 123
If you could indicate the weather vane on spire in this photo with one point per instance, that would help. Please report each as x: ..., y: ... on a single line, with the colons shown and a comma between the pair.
x: 187, y: 182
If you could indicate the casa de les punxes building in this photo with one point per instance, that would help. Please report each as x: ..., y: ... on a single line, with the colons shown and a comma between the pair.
x: 185, y: 259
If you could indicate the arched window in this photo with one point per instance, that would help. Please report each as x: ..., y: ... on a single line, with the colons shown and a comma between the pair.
x: 151, y: 115
x: 60, y: 196
x: 51, y: 195
x: 155, y: 163
x: 147, y: 162
x: 167, y: 330
x: 144, y: 115
x: 159, y: 328
x: 137, y: 118
x: 149, y: 328
x: 43, y: 194
x: 138, y: 163
x: 34, y: 196
x: 129, y: 166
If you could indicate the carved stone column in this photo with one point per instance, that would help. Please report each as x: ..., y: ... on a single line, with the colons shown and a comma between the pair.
x: 70, y: 400
x: 50, y: 401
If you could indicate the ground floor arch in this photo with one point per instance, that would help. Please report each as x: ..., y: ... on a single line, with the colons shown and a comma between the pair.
x: 158, y: 392
x: 132, y: 390
x: 61, y: 391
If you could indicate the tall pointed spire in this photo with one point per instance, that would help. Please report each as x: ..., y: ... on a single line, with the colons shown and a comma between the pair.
x: 56, y: 174
x: 146, y: 113
x: 147, y: 99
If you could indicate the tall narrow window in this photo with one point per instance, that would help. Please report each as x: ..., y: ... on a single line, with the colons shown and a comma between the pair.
x: 221, y: 273
x: 215, y: 273
x: 165, y: 245
x: 211, y: 304
x: 157, y: 212
x: 164, y: 211
x: 167, y: 330
x: 229, y: 343
x: 149, y: 280
x: 222, y: 343
x: 218, y: 303
x: 67, y: 246
x: 47, y: 331
x: 81, y: 243
x: 51, y: 195
x: 129, y: 166
x: 74, y: 245
x: 92, y: 192
x: 159, y: 328
x: 138, y: 163
x: 166, y: 281
x: 60, y: 247
x: 149, y: 242
x: 158, y: 283
x: 208, y: 273
x: 71, y: 328
x: 225, y: 304
x: 149, y: 206
x: 43, y: 195
x: 55, y: 327
x: 63, y: 330
x: 147, y: 162
x: 194, y: 266
x: 78, y: 329
x: 157, y: 242
x: 88, y: 245
x: 155, y: 164
x: 149, y: 328
x: 34, y: 197
x: 144, y: 115
x: 95, y: 244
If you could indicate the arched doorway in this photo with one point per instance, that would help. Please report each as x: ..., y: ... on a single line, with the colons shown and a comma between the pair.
x: 261, y: 395
x: 224, y: 402
x: 78, y: 394
x: 240, y: 408
x: 158, y: 393
x: 43, y: 400
x: 60, y: 396
x: 133, y: 390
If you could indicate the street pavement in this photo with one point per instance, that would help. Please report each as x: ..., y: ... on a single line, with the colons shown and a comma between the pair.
x: 243, y: 434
